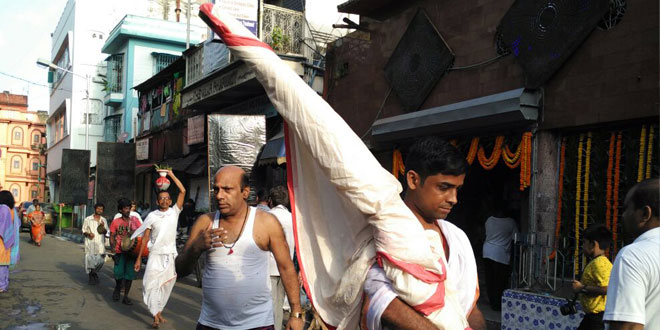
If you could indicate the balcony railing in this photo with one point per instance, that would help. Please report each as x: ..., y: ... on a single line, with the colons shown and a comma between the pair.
x: 194, y: 65
x: 282, y: 29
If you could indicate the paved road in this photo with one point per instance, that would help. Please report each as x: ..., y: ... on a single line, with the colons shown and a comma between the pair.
x: 49, y: 290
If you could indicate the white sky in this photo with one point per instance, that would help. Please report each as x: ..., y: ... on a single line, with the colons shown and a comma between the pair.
x: 25, y: 28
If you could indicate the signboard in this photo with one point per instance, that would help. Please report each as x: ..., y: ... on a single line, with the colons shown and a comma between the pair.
x: 142, y: 149
x: 218, y: 85
x: 115, y: 174
x: 74, y: 177
x: 196, y: 129
x: 245, y: 11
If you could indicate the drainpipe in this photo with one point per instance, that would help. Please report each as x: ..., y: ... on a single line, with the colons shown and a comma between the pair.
x: 178, y: 10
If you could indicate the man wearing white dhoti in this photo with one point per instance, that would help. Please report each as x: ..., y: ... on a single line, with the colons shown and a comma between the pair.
x: 94, y: 229
x: 159, y: 230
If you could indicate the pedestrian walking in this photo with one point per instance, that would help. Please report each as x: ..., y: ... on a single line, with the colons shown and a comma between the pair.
x: 94, y: 229
x: 9, y: 239
x: 37, y: 225
x: 500, y: 229
x: 159, y: 231
x: 119, y: 229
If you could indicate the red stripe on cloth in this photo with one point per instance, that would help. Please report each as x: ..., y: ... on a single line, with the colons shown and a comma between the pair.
x: 292, y: 202
x: 229, y: 38
x: 415, y: 270
x: 434, y: 303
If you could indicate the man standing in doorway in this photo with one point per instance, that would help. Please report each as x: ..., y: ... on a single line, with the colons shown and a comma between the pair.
x: 278, y: 200
x: 94, y: 229
x: 633, y: 293
x: 236, y: 241
x: 435, y: 171
x: 124, y: 261
x: 160, y: 232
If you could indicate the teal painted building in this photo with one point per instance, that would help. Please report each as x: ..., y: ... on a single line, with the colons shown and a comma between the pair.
x: 138, y: 48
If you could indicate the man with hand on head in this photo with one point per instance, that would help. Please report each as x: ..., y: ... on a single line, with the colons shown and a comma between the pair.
x: 236, y: 241
x: 159, y: 230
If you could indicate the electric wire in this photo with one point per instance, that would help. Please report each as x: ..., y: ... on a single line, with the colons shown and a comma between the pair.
x: 476, y: 65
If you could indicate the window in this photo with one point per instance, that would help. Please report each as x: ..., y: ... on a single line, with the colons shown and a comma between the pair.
x: 16, y: 164
x: 62, y: 62
x: 35, y: 137
x: 115, y: 73
x: 58, y: 127
x: 161, y: 61
x: 35, y: 165
x: 94, y: 115
x: 16, y: 191
x: 17, y: 136
x: 34, y: 194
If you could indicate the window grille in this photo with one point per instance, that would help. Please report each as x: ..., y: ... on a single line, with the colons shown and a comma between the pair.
x: 161, y: 61
x: 115, y: 73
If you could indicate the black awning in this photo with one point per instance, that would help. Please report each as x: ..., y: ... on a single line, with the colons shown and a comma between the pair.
x: 274, y: 151
x: 507, y: 110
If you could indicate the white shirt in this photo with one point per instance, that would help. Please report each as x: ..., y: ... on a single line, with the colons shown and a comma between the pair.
x: 284, y: 217
x: 499, y: 235
x: 162, y: 239
x: 633, y: 294
x: 461, y: 275
x: 95, y: 245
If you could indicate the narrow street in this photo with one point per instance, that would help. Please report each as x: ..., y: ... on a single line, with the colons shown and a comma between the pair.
x: 48, y: 290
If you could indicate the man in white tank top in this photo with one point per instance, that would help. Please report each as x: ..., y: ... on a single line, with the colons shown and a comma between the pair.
x: 236, y: 242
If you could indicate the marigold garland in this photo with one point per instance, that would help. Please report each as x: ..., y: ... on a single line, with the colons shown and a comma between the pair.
x: 512, y: 159
x: 585, y: 199
x: 473, y: 150
x: 398, y: 166
x: 525, y: 162
x: 578, y: 194
x: 528, y: 179
x: 641, y: 163
x: 489, y: 162
x: 608, y: 195
x: 649, y: 154
x: 560, y: 192
x: 615, y: 192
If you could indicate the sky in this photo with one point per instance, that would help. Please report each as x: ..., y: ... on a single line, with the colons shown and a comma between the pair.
x: 25, y: 28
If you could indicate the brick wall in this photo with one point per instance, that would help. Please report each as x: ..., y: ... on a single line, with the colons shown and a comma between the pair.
x: 613, y: 76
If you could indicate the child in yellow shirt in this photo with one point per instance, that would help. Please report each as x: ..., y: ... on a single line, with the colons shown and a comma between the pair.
x: 592, y: 286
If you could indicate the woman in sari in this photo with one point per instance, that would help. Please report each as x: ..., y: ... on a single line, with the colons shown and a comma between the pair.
x: 8, y: 238
x: 38, y: 226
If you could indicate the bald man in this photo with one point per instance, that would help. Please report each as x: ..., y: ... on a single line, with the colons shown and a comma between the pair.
x: 236, y: 241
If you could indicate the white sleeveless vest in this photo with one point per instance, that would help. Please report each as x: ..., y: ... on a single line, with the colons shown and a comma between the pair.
x: 235, y: 291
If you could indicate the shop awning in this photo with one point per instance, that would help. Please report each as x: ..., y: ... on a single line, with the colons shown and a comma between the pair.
x: 198, y: 167
x: 274, y: 151
x: 182, y: 164
x: 508, y: 110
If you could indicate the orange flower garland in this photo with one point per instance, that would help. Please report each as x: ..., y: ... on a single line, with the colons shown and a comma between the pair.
x: 640, y: 166
x: 615, y: 191
x: 511, y: 159
x: 608, y: 195
x: 528, y: 178
x: 585, y: 199
x: 560, y: 192
x: 578, y: 195
x: 473, y: 150
x: 649, y: 154
x: 525, y: 162
x: 398, y: 166
x: 489, y: 162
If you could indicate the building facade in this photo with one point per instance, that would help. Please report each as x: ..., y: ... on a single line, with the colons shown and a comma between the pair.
x: 589, y: 128
x: 77, y: 41
x: 22, y: 137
